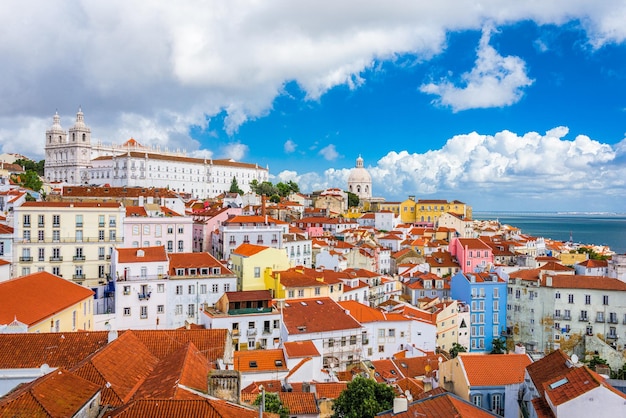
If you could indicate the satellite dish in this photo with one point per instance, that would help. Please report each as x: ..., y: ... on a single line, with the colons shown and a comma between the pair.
x: 574, y: 358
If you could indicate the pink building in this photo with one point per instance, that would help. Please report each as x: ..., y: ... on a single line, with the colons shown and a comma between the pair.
x: 472, y: 254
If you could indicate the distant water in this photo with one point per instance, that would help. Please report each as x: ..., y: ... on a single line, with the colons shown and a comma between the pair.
x: 584, y: 228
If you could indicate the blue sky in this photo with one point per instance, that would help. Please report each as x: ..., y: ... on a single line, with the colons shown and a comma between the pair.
x: 502, y: 106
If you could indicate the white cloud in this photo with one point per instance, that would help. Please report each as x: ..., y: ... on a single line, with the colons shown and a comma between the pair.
x: 235, y: 150
x: 494, y: 81
x: 164, y: 61
x: 505, y: 167
x: 290, y: 146
x: 329, y: 152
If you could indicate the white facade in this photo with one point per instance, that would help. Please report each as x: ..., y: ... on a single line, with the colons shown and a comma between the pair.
x: 298, y: 249
x: 248, y: 229
x: 386, y: 338
x: 385, y: 221
x: 155, y: 227
x: 360, y: 181
x: 250, y: 331
x: 72, y: 159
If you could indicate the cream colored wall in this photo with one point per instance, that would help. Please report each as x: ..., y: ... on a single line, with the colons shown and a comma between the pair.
x: 273, y: 258
x: 84, y: 319
x: 452, y: 376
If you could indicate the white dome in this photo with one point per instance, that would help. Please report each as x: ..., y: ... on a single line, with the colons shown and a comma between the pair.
x: 359, y: 175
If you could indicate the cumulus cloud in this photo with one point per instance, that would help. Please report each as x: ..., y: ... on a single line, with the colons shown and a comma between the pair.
x: 290, y: 146
x: 329, y: 152
x: 495, y: 81
x: 521, y: 169
x: 172, y: 63
x: 235, y: 151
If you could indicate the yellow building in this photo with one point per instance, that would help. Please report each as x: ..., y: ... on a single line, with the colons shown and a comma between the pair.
x: 429, y: 211
x: 296, y: 283
x: 250, y: 261
x: 43, y: 302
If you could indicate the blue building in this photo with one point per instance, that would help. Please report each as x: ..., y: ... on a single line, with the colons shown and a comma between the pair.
x: 485, y: 294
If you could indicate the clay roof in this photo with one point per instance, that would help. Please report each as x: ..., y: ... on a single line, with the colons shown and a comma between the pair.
x: 248, y: 250
x: 34, y: 298
x: 5, y: 229
x: 41, y: 397
x: 330, y: 390
x: 136, y: 211
x: 473, y: 243
x: 584, y: 282
x: 176, y: 408
x: 297, y: 349
x: 253, y: 219
x: 594, y: 263
x: 440, y: 405
x: 70, y: 205
x: 494, y: 369
x: 141, y: 254
x: 272, y: 360
x: 194, y: 260
x: 417, y: 366
x: 299, y: 403
x: 316, y: 315
x: 161, y: 343
x: 248, y: 295
x: 61, y: 350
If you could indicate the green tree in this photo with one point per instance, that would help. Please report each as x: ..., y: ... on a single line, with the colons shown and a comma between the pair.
x: 498, y: 346
x: 272, y: 404
x: 30, y: 180
x: 293, y: 186
x: 353, y: 200
x: 234, y: 187
x: 363, y: 398
x: 456, y: 349
x: 283, y: 189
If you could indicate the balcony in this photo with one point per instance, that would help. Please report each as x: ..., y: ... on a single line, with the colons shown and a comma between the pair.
x: 611, y: 336
x: 567, y: 317
x: 26, y: 259
x: 79, y: 258
x: 600, y: 319
x: 56, y: 259
x: 235, y: 332
x: 583, y: 318
x: 78, y: 277
x: 251, y: 332
x: 144, y: 296
x: 613, y: 320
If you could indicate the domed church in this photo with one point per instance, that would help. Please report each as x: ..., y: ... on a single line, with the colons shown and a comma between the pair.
x: 360, y: 181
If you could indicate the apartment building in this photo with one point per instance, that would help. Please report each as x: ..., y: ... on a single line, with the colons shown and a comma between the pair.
x: 154, y: 225
x: 486, y: 294
x: 259, y: 230
x: 73, y: 240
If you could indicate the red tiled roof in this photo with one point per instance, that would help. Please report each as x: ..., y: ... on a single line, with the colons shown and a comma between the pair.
x: 330, y: 390
x: 34, y: 298
x: 194, y: 260
x: 56, y: 394
x: 316, y: 315
x: 248, y: 295
x: 175, y: 408
x: 441, y: 405
x: 141, y: 254
x: 70, y: 204
x: 584, y: 282
x: 260, y: 360
x: 299, y: 403
x: 297, y: 349
x: 494, y: 369
x: 247, y: 250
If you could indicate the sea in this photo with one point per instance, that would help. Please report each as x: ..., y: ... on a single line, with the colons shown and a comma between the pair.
x: 580, y: 227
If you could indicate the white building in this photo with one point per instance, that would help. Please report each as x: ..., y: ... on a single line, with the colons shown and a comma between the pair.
x: 360, y: 181
x: 251, y: 318
x: 72, y: 159
x: 153, y: 225
x: 298, y: 249
x: 259, y: 230
x: 157, y: 289
x: 386, y: 334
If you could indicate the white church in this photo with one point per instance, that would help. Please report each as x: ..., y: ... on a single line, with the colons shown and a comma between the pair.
x: 72, y: 159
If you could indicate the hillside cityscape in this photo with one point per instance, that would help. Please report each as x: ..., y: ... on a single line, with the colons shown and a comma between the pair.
x: 137, y: 281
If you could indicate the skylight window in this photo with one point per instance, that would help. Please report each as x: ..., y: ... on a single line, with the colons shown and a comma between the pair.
x: 559, y: 383
x: 253, y: 364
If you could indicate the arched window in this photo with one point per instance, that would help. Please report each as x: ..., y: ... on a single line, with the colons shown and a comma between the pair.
x: 84, y: 137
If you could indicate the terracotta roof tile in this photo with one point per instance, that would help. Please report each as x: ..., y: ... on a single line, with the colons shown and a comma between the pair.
x: 299, y: 403
x: 195, y: 260
x: 329, y: 390
x: 314, y: 314
x: 248, y: 295
x: 494, y: 369
x: 584, y: 282
x: 441, y: 405
x: 175, y: 408
x: 34, y: 298
x: 297, y: 349
x: 248, y: 250
x: 56, y: 394
x: 141, y: 254
x: 260, y: 360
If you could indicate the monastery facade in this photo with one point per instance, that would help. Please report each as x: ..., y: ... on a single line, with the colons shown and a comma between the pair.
x: 72, y: 159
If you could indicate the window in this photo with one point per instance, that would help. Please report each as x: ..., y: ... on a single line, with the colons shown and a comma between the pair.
x: 100, y: 221
x: 41, y: 220
x: 583, y: 315
x: 143, y: 312
x: 275, y: 324
x: 180, y: 245
x: 112, y: 220
x: 146, y: 229
x: 300, y: 293
x: 496, y: 404
x: 79, y: 235
x: 290, y: 293
x: 112, y: 235
x: 257, y: 272
x: 215, y: 288
x: 392, y: 333
x: 26, y: 235
x: 605, y: 299
x: 353, y: 340
x: 101, y: 235
x: 79, y: 221
x: 42, y: 254
x: 180, y: 229
x: 318, y: 291
x: 170, y: 229
x: 179, y: 289
x: 226, y: 287
x: 160, y: 309
x: 160, y: 287
x: 135, y: 229
x: 27, y: 220
x: 557, y: 295
x: 178, y: 310
x: 570, y: 298
x: 587, y: 299
x: 127, y: 290
x: 202, y: 289
x: 191, y: 289
x: 127, y: 311
x: 170, y: 246
x: 56, y: 220
x: 381, y: 348
x: 381, y: 333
